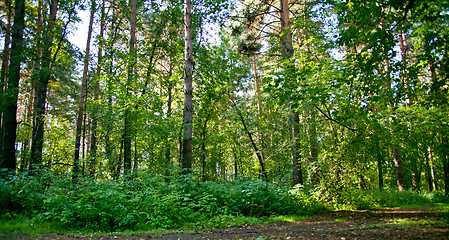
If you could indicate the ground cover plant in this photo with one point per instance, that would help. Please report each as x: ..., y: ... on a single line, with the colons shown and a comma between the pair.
x: 148, y: 202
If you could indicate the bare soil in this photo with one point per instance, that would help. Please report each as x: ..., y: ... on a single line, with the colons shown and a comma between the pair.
x: 410, y: 223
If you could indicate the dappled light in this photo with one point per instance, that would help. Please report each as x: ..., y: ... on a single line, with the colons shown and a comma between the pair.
x: 224, y: 119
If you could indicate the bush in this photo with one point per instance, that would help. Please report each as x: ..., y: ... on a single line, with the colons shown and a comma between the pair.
x: 146, y: 201
x: 387, y: 198
x: 150, y: 201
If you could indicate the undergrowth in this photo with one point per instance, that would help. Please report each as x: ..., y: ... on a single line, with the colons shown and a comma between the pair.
x: 147, y: 202
x: 386, y: 198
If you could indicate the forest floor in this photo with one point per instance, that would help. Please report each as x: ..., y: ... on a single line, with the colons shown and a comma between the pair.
x: 403, y: 223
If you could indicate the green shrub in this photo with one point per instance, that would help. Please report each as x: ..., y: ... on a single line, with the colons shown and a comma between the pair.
x: 148, y: 201
x: 387, y: 198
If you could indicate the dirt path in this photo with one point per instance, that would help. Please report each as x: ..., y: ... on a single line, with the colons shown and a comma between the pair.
x: 380, y: 224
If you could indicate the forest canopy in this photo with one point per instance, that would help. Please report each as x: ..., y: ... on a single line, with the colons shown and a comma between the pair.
x: 325, y: 95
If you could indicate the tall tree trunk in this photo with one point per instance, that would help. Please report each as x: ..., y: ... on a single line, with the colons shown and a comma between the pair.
x: 41, y: 88
x: 114, y: 160
x: 79, y: 121
x: 93, y: 136
x: 186, y: 163
x: 8, y: 156
x: 128, y: 131
x: 399, y: 169
x: 5, y: 65
x: 289, y: 69
x: 34, y: 83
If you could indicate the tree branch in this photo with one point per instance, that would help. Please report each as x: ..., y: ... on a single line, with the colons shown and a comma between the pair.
x: 335, y: 121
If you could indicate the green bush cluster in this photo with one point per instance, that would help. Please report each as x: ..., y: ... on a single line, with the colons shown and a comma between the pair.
x: 154, y: 202
x: 146, y: 201
x: 388, y: 198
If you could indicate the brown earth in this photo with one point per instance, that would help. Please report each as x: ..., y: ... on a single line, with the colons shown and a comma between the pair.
x: 411, y: 223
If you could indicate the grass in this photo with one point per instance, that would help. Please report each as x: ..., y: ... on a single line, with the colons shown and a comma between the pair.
x: 23, y: 225
x: 288, y: 218
x: 26, y: 226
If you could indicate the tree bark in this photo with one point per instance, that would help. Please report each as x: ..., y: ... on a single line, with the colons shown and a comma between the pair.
x: 287, y: 54
x: 8, y: 156
x: 431, y: 171
x: 128, y: 129
x: 79, y: 121
x: 186, y: 163
x: 5, y: 65
x: 380, y: 161
x: 40, y: 99
x: 400, y: 177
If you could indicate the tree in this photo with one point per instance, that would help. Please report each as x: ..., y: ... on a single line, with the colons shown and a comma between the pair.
x: 5, y: 63
x: 128, y: 128
x: 80, y: 114
x: 186, y: 163
x: 9, y: 123
x: 289, y: 72
x: 44, y: 76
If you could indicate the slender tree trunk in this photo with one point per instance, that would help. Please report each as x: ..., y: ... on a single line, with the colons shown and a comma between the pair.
x: 169, y: 112
x: 5, y: 65
x: 203, y: 147
x: 287, y: 54
x: 93, y: 139
x: 259, y: 110
x: 313, y: 142
x: 118, y: 164
x: 41, y: 88
x: 234, y: 149
x: 186, y: 163
x: 445, y: 160
x: 114, y: 159
x: 380, y: 161
x: 9, y: 122
x: 79, y: 121
x: 253, y: 144
x: 128, y: 133
x: 431, y: 174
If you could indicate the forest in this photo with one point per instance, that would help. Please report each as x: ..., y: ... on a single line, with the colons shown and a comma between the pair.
x: 182, y: 113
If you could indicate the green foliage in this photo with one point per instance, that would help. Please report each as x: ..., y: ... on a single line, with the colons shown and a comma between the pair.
x: 310, y: 202
x: 375, y: 199
x: 146, y: 202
